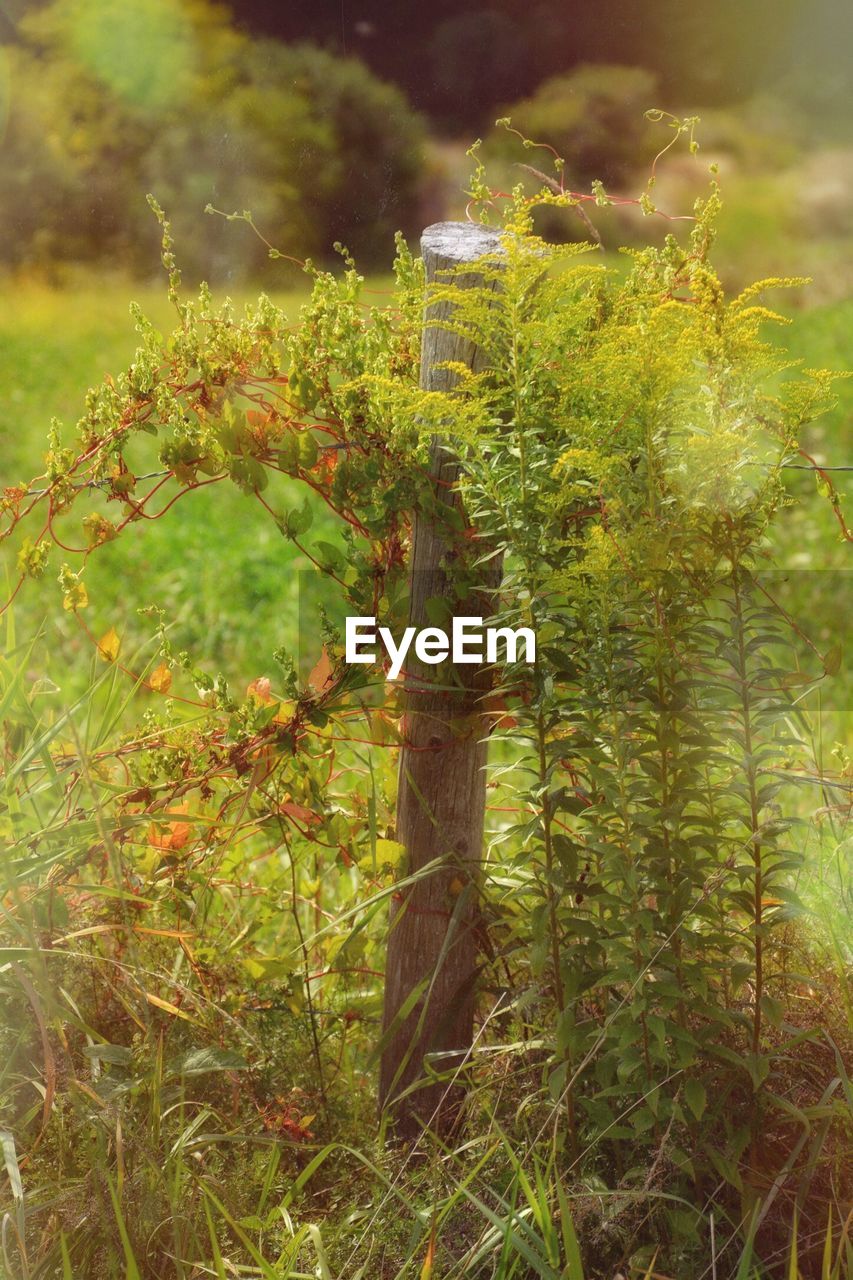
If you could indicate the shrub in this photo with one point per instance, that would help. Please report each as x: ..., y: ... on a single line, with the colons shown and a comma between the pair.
x: 317, y: 147
x: 365, y: 184
x: 593, y: 117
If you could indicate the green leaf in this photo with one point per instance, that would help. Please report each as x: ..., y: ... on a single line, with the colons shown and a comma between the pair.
x: 298, y: 522
x: 740, y: 973
x: 832, y: 660
x: 571, y: 1248
x: 758, y: 1066
x: 793, y: 1268
x: 643, y: 1119
x: 308, y: 449
x: 116, y: 1054
x: 726, y: 1168
x: 793, y: 678
x: 696, y: 1097
x: 199, y: 1062
x: 10, y: 1159
x: 248, y: 474
x: 773, y: 1010
x: 744, y: 1270
x: 330, y: 556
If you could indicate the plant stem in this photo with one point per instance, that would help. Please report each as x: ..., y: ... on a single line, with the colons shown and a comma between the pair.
x: 553, y: 920
x: 753, y: 816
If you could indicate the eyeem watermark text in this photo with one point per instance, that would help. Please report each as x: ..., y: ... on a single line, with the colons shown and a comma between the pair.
x: 469, y: 642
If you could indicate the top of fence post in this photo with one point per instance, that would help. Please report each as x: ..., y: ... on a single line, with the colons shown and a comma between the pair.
x: 447, y: 244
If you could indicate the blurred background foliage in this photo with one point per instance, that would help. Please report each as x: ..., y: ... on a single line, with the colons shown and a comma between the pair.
x: 460, y: 59
x: 346, y: 122
x: 106, y: 103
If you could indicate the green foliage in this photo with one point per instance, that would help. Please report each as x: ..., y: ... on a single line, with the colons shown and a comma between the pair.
x: 316, y: 146
x: 364, y: 183
x: 228, y: 859
x: 631, y: 485
x: 593, y: 117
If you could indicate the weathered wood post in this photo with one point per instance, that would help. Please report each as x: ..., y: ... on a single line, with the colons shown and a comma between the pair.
x: 442, y: 784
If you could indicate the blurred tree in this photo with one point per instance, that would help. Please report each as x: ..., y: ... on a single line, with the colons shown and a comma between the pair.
x: 715, y: 53
x: 475, y: 59
x: 365, y: 184
x: 593, y: 117
x: 106, y: 103
x: 66, y: 148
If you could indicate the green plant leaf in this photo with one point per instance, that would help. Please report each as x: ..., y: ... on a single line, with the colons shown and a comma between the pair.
x: 695, y: 1096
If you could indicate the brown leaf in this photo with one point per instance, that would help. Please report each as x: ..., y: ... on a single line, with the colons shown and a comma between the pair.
x: 174, y: 837
x: 321, y: 677
x: 298, y: 811
x: 260, y: 691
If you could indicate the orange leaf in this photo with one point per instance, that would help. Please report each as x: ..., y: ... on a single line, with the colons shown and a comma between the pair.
x: 160, y: 679
x: 327, y: 460
x: 299, y: 812
x: 179, y: 835
x: 174, y: 837
x: 320, y: 677
x: 109, y: 645
x: 259, y: 690
x: 496, y: 706
x: 429, y: 1258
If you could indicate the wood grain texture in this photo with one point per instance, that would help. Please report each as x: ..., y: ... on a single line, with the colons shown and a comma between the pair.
x: 441, y: 796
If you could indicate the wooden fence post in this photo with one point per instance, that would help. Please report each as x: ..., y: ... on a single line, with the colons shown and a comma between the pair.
x: 442, y: 784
